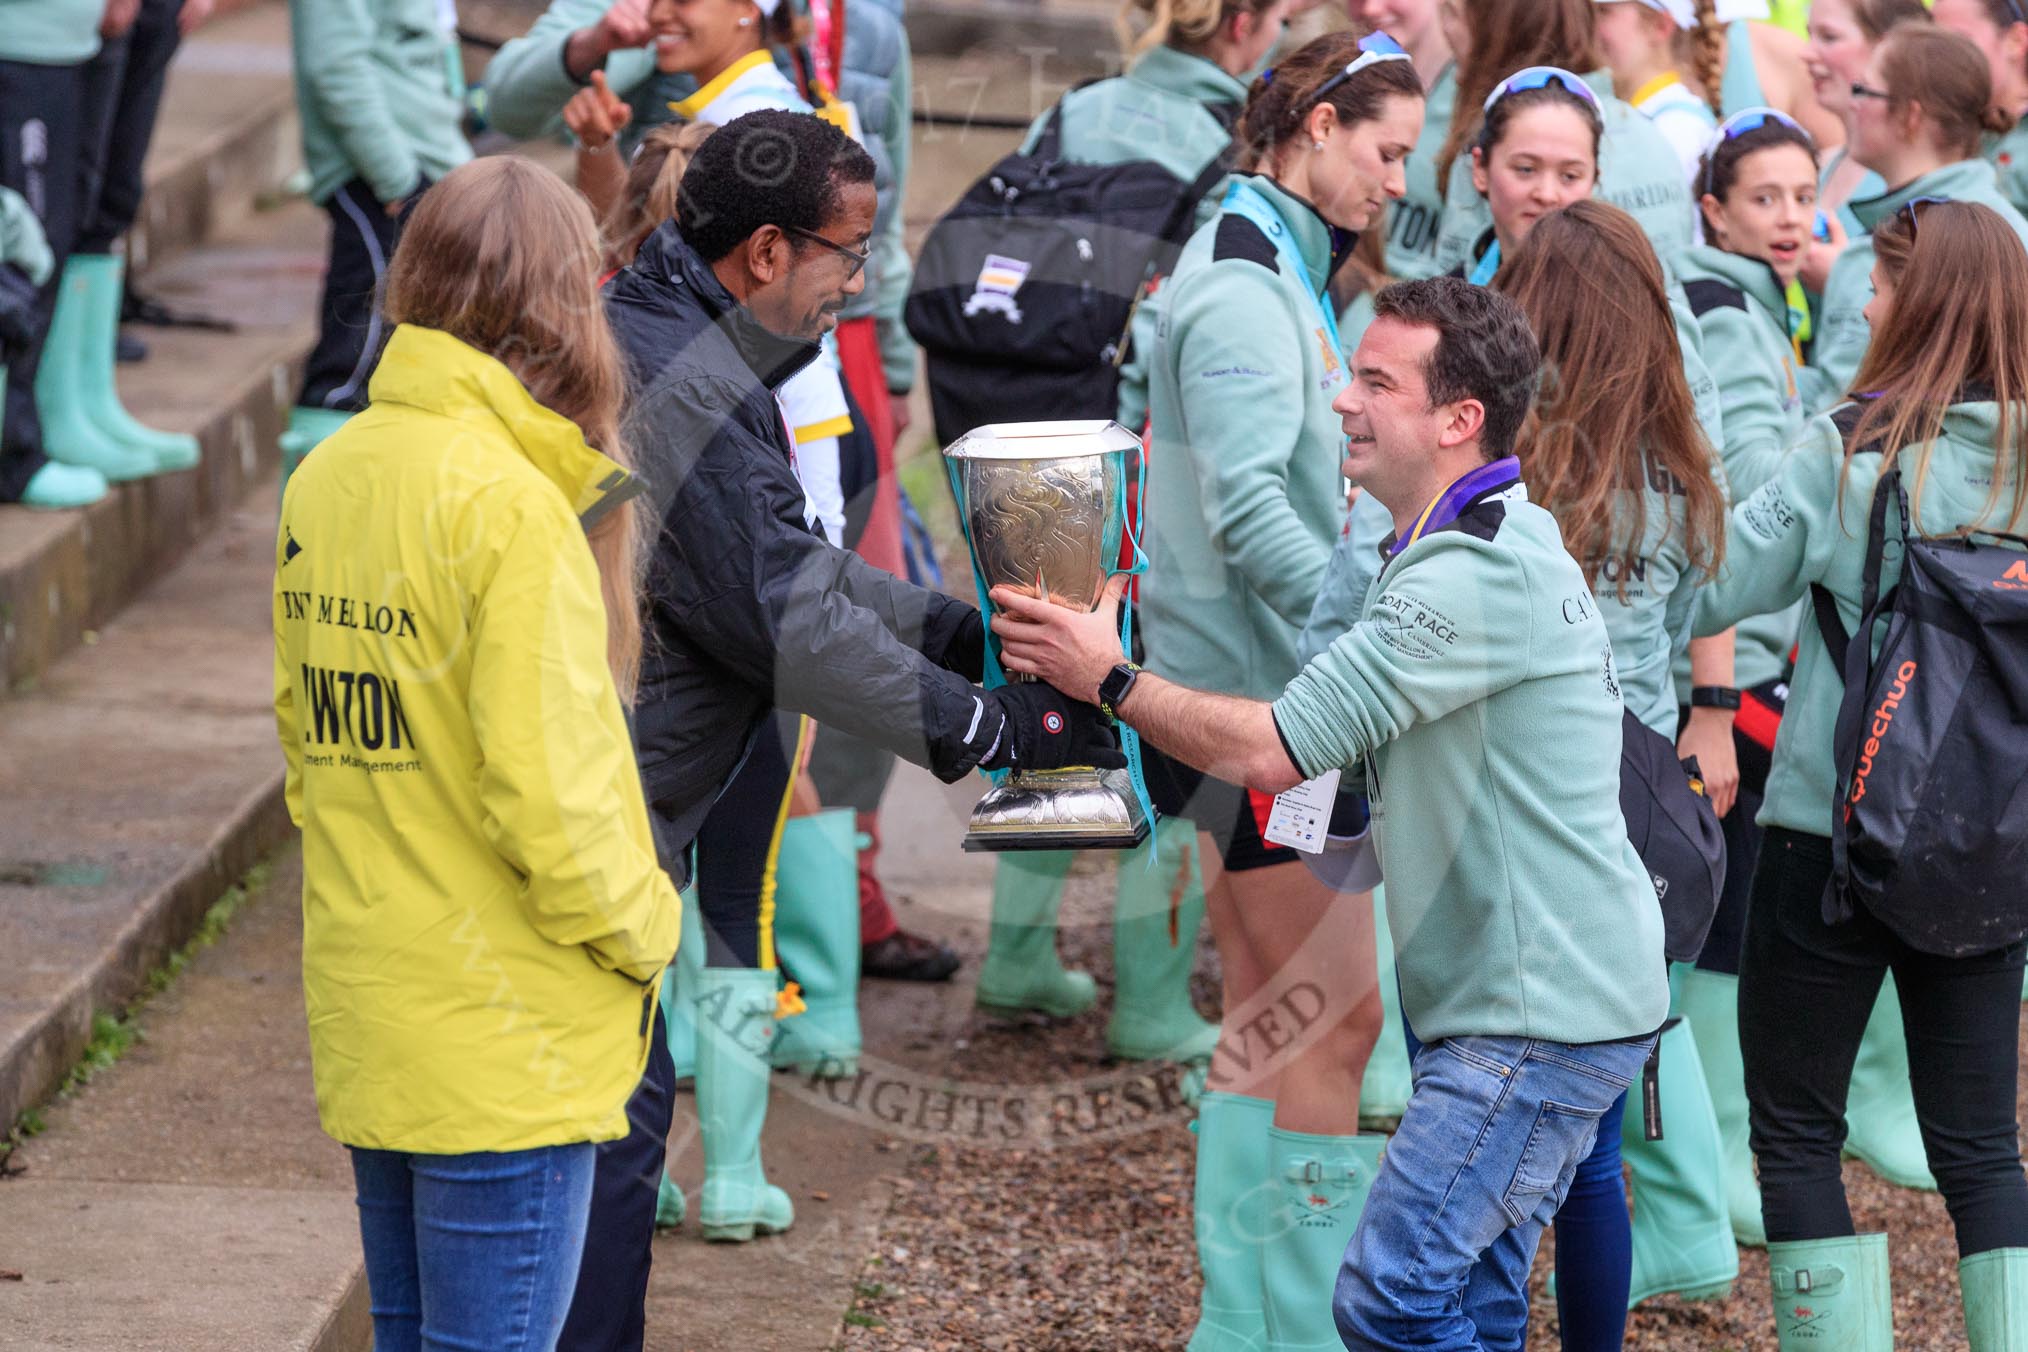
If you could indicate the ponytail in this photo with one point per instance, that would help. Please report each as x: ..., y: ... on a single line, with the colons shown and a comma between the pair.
x: 1179, y: 23
x: 1283, y: 96
x: 1707, y: 55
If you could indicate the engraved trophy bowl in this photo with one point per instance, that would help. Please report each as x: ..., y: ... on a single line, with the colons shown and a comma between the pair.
x: 1043, y: 510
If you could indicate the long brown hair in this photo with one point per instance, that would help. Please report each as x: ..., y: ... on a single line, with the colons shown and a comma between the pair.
x: 1144, y: 25
x: 1947, y: 75
x: 1615, y: 411
x: 503, y: 256
x: 649, y: 196
x: 1707, y: 45
x: 1281, y: 99
x: 1511, y: 35
x: 1942, y: 339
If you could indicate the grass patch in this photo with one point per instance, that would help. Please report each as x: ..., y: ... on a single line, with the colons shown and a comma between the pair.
x: 114, y: 1035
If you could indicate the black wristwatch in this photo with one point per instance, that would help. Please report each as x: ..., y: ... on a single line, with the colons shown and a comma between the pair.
x: 1113, y: 689
x: 1713, y: 697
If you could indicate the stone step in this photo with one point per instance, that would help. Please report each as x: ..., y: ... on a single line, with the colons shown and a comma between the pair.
x: 228, y: 137
x: 63, y: 575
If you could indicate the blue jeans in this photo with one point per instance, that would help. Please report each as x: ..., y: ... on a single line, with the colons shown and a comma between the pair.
x: 475, y: 1252
x: 1494, y: 1130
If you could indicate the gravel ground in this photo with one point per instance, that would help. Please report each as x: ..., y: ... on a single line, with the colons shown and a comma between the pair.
x: 1087, y: 1247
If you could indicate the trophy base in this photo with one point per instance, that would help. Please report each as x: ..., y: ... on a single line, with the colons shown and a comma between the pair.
x: 1070, y: 809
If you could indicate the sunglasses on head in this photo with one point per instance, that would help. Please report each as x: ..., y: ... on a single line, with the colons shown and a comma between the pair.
x: 1742, y: 122
x: 1541, y: 77
x: 1909, y: 207
x: 1374, y: 48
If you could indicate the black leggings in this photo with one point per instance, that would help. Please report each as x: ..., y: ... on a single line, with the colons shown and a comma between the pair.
x: 1806, y: 990
x: 739, y: 843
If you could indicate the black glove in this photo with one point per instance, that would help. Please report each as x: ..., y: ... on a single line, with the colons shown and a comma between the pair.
x: 965, y: 654
x: 1045, y: 729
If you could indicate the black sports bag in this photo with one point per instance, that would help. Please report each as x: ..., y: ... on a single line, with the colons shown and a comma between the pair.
x: 1931, y: 830
x: 1024, y: 289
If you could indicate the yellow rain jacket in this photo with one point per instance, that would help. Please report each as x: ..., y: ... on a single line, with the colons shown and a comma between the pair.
x: 484, y: 920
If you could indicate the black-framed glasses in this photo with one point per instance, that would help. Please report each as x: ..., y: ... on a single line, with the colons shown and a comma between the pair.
x: 1908, y: 209
x: 1541, y: 77
x: 1374, y: 48
x: 854, y: 257
x: 1866, y: 91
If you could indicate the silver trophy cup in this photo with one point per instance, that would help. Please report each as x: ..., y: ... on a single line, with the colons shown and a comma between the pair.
x: 1042, y: 509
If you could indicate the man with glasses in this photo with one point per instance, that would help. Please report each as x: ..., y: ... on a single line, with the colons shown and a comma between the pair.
x: 752, y: 611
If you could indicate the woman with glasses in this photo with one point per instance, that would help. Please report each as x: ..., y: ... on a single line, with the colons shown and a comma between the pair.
x: 1844, y: 34
x: 1188, y: 63
x: 2000, y: 28
x: 1945, y: 404
x: 1637, y: 171
x: 1919, y: 114
x: 1244, y: 502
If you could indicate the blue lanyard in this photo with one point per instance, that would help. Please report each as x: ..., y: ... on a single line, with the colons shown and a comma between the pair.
x: 1483, y: 270
x: 1242, y: 199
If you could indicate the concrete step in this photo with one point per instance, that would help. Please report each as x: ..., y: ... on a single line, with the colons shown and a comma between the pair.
x: 228, y: 136
x: 186, y: 1198
x: 63, y: 575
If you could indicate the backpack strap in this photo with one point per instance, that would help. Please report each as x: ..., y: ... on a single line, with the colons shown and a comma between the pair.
x: 1049, y: 146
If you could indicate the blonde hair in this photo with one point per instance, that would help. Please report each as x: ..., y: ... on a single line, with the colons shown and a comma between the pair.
x: 649, y: 195
x: 1179, y: 23
x: 503, y: 256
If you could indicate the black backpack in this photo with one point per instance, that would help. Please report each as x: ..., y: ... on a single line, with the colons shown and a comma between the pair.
x: 1025, y: 289
x: 1931, y: 832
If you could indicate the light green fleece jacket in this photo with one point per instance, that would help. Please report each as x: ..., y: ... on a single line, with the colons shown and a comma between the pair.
x: 1244, y: 496
x: 1842, y: 331
x: 1481, y: 689
x: 1160, y: 111
x: 1743, y: 316
x: 2009, y: 155
x: 1795, y: 531
x: 1637, y: 172
x: 1414, y: 222
x: 50, y: 32
x: 377, y: 88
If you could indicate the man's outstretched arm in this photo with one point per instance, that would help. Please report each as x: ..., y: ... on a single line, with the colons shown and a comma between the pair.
x: 1230, y: 737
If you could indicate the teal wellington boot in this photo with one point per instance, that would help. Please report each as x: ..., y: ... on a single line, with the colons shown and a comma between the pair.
x: 679, y: 989
x: 1153, y: 1018
x: 1832, y: 1295
x: 64, y: 397
x: 1022, y: 973
x: 307, y: 427
x: 1383, y: 1092
x: 671, y: 1206
x: 1230, y: 1209
x: 1682, y: 1234
x: 1710, y: 1003
x: 1321, y: 1184
x: 817, y: 943
x: 1994, y: 1286
x: 735, y: 1028
x: 102, y: 279
x: 1880, y: 1125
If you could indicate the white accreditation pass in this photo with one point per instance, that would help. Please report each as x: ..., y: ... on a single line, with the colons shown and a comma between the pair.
x: 1301, y: 817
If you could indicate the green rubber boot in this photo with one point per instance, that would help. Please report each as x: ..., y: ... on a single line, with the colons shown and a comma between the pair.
x: 1383, y: 1093
x: 307, y: 427
x: 670, y: 1205
x: 735, y: 1027
x: 1229, y: 1206
x: 1022, y: 973
x: 817, y: 942
x: 56, y: 487
x: 1682, y: 1234
x: 1153, y: 1018
x: 1710, y: 1002
x: 1880, y: 1125
x: 1994, y: 1286
x: 1321, y: 1186
x: 679, y: 989
x: 102, y: 280
x: 1832, y: 1295
x: 64, y: 394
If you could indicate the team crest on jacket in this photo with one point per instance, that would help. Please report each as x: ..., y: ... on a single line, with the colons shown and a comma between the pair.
x: 1329, y: 352
x: 998, y: 280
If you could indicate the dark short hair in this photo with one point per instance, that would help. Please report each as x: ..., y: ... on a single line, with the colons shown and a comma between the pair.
x: 772, y: 167
x: 1485, y: 351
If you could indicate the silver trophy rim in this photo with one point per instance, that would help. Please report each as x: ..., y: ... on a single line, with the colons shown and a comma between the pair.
x: 1029, y: 440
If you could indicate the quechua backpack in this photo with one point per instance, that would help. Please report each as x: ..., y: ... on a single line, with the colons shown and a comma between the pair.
x: 1931, y: 830
x: 1025, y: 289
